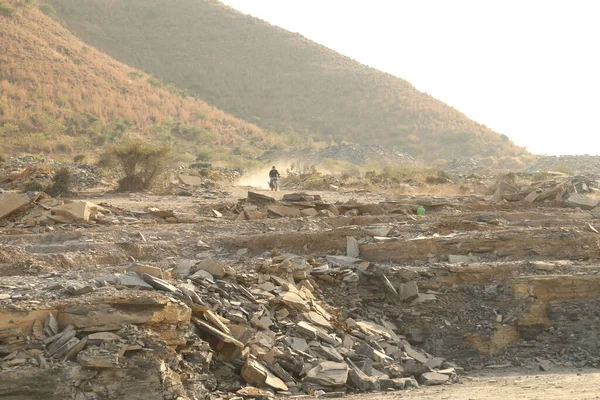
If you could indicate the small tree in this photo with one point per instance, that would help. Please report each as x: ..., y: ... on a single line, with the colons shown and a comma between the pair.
x: 61, y: 183
x: 141, y: 164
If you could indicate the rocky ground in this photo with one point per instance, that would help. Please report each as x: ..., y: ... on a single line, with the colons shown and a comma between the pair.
x: 218, y: 291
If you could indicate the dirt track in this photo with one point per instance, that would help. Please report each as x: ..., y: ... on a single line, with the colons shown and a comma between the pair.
x: 570, y: 385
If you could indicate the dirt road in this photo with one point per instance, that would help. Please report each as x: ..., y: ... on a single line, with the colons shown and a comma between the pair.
x: 572, y: 385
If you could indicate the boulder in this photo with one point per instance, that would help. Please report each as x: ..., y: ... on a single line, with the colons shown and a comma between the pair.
x: 12, y: 202
x: 581, y: 201
x: 257, y: 374
x: 328, y: 373
x: 215, y: 268
x: 434, y: 378
x: 80, y: 211
x: 352, y: 249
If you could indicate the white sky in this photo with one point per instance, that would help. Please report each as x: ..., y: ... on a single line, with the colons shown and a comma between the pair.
x: 527, y: 68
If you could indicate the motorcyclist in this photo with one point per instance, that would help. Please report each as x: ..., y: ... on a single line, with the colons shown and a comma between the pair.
x: 273, y: 178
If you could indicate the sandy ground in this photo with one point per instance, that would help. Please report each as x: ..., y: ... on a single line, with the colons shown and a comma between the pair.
x: 572, y: 385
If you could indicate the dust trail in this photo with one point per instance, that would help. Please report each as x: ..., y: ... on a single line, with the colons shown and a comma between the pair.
x: 259, y: 178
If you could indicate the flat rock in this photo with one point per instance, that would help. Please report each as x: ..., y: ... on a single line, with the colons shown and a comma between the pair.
x: 434, y: 378
x: 132, y: 280
x: 328, y: 373
x: 422, y: 358
x: 343, y: 261
x: 378, y: 232
x: 189, y: 180
x: 254, y: 393
x: 435, y: 362
x: 80, y: 211
x: 79, y: 289
x: 157, y: 272
x: 318, y: 319
x: 294, y: 301
x: 159, y: 284
x: 257, y: 374
x: 98, y: 359
x: 542, y: 265
x: 408, y: 291
x: 581, y: 201
x: 545, y: 365
x: 104, y: 336
x: 371, y: 328
x: 309, y: 212
x: 284, y: 211
x: 361, y: 381
x: 352, y: 248
x: 461, y: 259
x: 254, y: 197
x: 531, y: 197
x: 183, y: 268
x: 157, y: 212
x: 215, y: 268
x: 12, y: 202
x: 202, y: 275
x: 296, y: 343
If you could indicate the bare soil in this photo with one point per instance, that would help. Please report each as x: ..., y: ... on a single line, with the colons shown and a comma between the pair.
x: 571, y: 385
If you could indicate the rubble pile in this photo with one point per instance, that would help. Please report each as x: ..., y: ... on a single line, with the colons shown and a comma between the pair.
x: 226, y: 328
x: 583, y: 164
x: 300, y: 296
x: 17, y: 172
x: 258, y: 206
x: 568, y: 191
x: 19, y: 210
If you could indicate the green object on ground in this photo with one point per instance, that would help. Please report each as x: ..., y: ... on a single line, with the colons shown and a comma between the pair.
x: 420, y: 210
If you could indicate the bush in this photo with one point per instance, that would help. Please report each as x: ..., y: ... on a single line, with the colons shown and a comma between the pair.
x: 204, y: 155
x: 6, y: 9
x: 78, y: 159
x: 47, y: 9
x: 141, y: 164
x: 33, y: 186
x: 2, y: 160
x: 61, y: 183
x: 201, y: 165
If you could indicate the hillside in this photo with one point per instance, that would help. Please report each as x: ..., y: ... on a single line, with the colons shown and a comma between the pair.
x: 274, y: 78
x: 59, y: 95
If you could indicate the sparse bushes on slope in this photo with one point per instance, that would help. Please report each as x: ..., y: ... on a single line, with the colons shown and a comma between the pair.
x: 275, y: 78
x: 141, y: 164
x: 70, y: 98
x: 6, y: 9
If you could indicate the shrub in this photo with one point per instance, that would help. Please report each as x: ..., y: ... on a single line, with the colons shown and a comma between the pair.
x: 33, y: 186
x: 6, y: 9
x: 61, y: 183
x: 2, y: 160
x: 141, y: 164
x: 79, y: 158
x: 201, y: 165
x: 47, y: 9
x: 203, y: 155
x: 134, y: 74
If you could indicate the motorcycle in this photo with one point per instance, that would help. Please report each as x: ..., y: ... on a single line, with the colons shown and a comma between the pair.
x: 274, y: 184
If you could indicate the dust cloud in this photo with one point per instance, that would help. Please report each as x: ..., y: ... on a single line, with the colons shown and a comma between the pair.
x: 259, y: 178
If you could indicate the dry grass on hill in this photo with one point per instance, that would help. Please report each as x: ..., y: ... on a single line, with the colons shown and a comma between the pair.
x: 58, y: 94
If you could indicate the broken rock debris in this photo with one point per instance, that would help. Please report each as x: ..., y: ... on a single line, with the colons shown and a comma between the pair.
x: 265, y: 326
